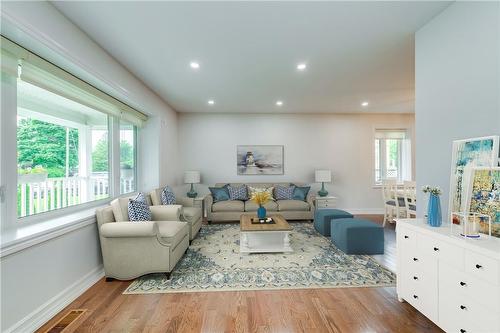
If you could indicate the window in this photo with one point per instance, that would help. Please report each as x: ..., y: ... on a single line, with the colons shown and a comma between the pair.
x: 127, y: 157
x: 392, y: 155
x: 63, y: 138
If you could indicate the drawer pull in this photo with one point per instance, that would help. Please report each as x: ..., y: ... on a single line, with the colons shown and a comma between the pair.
x: 415, y: 278
x: 436, y: 249
x: 415, y: 259
x: 463, y: 307
x: 415, y: 296
x: 406, y: 237
x: 462, y: 330
x: 479, y: 266
x: 463, y: 284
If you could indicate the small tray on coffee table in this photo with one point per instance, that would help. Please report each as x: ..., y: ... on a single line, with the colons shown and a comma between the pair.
x: 268, y: 220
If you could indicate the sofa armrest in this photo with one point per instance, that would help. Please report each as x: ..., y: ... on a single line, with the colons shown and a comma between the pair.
x: 310, y: 200
x: 129, y: 229
x: 166, y: 213
x: 185, y: 201
x: 209, y: 201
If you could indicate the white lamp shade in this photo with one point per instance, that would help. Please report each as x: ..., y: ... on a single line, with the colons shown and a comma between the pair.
x: 323, y: 176
x: 191, y: 177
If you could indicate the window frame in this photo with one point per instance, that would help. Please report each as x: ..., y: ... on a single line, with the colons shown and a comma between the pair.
x: 9, y: 173
x: 382, y: 152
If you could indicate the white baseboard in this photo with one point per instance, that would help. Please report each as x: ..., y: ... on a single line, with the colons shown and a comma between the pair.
x: 46, y: 311
x: 355, y: 211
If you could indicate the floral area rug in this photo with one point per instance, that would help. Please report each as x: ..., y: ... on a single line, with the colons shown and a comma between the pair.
x: 213, y: 263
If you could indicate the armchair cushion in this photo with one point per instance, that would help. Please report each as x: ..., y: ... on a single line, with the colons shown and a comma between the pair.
x: 172, y: 232
x: 120, y: 209
x: 129, y: 229
x: 191, y: 214
x: 167, y: 196
x: 166, y: 213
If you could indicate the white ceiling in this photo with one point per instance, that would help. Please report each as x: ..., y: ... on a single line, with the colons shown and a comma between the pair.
x: 248, y: 52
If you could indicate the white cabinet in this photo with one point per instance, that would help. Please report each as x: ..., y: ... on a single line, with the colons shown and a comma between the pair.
x: 453, y: 281
x: 325, y: 202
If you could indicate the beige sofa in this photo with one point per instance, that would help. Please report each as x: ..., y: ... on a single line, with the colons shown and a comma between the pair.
x: 132, y: 249
x: 189, y: 214
x: 231, y: 210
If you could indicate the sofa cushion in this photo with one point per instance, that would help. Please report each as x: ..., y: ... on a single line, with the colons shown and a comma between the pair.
x: 191, y: 214
x: 172, y: 232
x: 293, y: 205
x: 167, y: 196
x: 251, y: 206
x: 283, y: 192
x: 228, y: 206
x: 219, y: 193
x: 238, y: 192
x: 300, y: 192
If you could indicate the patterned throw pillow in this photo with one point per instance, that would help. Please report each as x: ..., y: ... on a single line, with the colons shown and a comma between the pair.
x: 251, y: 190
x: 283, y: 192
x: 167, y: 196
x: 138, y: 209
x: 238, y: 192
x: 219, y: 193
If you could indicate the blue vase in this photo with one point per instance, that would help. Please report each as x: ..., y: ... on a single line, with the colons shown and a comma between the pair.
x: 434, y: 217
x: 261, y: 212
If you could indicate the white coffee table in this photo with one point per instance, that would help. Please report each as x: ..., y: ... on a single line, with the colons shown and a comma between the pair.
x: 264, y: 238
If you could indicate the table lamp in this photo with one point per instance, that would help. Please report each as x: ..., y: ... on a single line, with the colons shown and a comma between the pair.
x: 323, y: 176
x: 192, y: 177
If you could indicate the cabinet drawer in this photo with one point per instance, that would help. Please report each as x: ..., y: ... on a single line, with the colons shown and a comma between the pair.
x: 482, y: 267
x: 455, y: 282
x: 458, y: 313
x: 441, y: 250
x: 325, y: 203
x: 422, y: 298
x: 406, y: 238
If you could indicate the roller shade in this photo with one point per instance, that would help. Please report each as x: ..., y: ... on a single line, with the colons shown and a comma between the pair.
x: 45, y: 75
x: 390, y: 134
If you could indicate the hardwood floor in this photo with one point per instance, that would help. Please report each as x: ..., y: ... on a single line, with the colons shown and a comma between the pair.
x: 306, y: 310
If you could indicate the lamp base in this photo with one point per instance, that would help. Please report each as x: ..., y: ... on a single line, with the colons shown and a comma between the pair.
x: 192, y: 193
x: 323, y: 192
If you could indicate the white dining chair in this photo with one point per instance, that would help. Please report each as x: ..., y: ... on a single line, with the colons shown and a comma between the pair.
x: 410, y: 196
x: 394, y: 205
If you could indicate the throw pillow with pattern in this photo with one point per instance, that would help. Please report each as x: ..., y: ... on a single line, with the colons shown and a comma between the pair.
x: 270, y: 190
x: 167, y: 196
x: 283, y: 192
x: 138, y: 209
x: 238, y: 192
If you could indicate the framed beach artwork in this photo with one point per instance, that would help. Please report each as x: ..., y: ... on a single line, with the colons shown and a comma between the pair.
x: 260, y: 160
x: 483, y: 198
x: 466, y: 154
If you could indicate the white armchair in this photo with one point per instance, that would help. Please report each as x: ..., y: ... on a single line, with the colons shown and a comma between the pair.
x: 132, y: 249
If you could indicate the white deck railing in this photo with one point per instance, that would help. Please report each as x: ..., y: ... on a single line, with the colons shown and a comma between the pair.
x: 55, y: 193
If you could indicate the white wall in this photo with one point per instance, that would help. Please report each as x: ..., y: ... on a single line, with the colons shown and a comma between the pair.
x: 341, y: 142
x: 38, y: 279
x: 457, y: 86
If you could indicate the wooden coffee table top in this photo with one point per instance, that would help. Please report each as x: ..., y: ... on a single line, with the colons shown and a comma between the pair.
x: 280, y: 225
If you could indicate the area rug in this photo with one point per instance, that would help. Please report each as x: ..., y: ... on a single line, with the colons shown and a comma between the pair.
x: 213, y: 263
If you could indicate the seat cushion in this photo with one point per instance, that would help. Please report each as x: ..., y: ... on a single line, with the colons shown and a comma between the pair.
x: 172, y: 232
x: 191, y: 214
x: 251, y: 206
x: 228, y: 206
x: 412, y: 207
x: 293, y: 205
x: 401, y: 202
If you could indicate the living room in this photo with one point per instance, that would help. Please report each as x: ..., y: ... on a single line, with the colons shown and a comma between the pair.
x: 249, y: 166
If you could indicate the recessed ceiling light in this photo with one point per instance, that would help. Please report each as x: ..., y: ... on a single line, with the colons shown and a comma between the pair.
x: 194, y: 65
x: 211, y: 102
x: 279, y: 103
x: 364, y: 104
x: 301, y: 66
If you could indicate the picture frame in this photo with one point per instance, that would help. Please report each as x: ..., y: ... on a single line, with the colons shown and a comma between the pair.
x: 260, y: 160
x: 468, y: 153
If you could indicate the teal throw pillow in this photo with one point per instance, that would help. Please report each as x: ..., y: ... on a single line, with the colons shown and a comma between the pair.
x: 300, y: 192
x: 219, y: 193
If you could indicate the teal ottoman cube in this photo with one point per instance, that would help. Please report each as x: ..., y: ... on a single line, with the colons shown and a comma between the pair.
x: 357, y: 236
x: 323, y: 217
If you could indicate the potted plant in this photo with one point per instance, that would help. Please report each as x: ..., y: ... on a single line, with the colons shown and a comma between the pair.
x: 434, y: 218
x: 38, y: 174
x: 261, y: 198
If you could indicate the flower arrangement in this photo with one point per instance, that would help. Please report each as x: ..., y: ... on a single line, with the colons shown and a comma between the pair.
x: 432, y: 190
x: 260, y: 198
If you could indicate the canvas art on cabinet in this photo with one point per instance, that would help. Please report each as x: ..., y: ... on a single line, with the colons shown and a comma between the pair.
x: 483, y: 197
x: 260, y: 160
x: 468, y: 153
